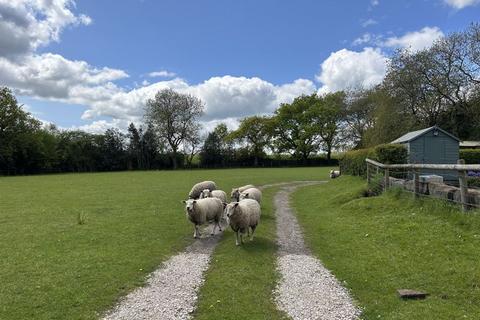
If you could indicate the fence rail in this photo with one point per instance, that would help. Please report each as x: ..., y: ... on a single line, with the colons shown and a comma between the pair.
x: 408, y: 176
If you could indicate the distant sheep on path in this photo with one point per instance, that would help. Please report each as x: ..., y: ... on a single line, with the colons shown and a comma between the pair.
x: 199, y: 187
x: 219, y: 194
x: 235, y: 194
x: 334, y: 174
x: 251, y: 193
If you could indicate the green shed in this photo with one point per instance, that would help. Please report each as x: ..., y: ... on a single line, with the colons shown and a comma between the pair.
x: 431, y: 145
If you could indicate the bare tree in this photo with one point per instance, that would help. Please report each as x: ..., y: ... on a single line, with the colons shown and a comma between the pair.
x: 174, y: 116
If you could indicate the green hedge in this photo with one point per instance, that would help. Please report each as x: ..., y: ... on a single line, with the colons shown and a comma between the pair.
x: 353, y: 162
x: 471, y: 156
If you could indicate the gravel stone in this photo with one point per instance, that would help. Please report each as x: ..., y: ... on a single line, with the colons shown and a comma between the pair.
x: 171, y: 291
x: 307, y: 290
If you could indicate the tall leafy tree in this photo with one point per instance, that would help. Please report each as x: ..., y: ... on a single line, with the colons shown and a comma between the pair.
x: 293, y: 128
x: 19, y: 146
x: 135, y: 147
x: 256, y: 132
x: 327, y: 115
x: 174, y: 117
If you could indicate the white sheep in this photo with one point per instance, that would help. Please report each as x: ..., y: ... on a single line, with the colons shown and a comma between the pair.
x: 202, y: 211
x: 252, y: 193
x: 235, y: 194
x: 219, y: 194
x: 199, y: 187
x: 334, y: 174
x: 243, y: 216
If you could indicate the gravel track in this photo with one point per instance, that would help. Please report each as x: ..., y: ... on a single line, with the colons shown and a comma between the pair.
x: 307, y: 290
x: 171, y: 290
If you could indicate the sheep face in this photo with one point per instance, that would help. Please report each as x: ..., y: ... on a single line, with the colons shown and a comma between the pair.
x: 243, y: 196
x: 230, y: 209
x: 205, y: 194
x: 190, y: 205
x: 235, y: 194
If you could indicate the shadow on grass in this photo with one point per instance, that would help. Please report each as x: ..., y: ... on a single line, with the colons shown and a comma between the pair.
x: 259, y: 245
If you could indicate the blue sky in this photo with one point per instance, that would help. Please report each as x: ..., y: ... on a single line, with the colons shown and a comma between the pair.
x: 89, y: 64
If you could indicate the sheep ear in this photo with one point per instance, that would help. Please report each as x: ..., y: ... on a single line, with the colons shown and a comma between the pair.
x: 235, y: 205
x: 246, y: 194
x: 183, y: 201
x: 194, y: 201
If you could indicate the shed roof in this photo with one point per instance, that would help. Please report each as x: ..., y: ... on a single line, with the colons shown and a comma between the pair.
x: 415, y: 134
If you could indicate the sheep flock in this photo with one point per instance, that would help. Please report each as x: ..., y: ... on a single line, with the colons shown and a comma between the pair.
x: 207, y: 204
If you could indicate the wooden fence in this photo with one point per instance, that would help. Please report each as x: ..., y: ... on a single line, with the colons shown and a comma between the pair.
x: 414, y: 169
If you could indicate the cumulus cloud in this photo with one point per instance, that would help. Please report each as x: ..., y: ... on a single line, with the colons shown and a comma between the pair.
x: 345, y: 69
x: 416, y: 40
x: 52, y: 76
x: 162, y: 74
x: 460, y: 4
x: 224, y: 97
x: 367, y: 38
x: 27, y: 24
x: 368, y: 22
x: 101, y: 126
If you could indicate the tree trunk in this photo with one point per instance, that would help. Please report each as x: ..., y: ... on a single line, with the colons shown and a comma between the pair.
x: 174, y: 159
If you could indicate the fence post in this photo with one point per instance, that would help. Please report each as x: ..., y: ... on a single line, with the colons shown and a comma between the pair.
x: 387, y: 179
x: 416, y: 183
x: 368, y: 173
x: 462, y: 179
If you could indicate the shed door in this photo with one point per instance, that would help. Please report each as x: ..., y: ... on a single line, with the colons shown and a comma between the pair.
x: 434, y: 150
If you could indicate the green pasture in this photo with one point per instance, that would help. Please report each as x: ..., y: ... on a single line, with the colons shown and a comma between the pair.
x: 381, y: 244
x: 72, y: 244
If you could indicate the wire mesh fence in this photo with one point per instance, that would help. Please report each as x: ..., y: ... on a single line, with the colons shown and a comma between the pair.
x: 457, y: 184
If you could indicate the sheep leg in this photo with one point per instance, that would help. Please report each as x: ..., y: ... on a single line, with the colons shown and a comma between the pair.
x: 214, y: 227
x: 196, y: 233
x: 241, y: 238
x: 219, y: 226
x: 236, y: 239
x: 253, y: 231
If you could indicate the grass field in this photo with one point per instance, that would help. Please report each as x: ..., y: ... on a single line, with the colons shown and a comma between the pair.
x: 377, y: 245
x: 72, y: 244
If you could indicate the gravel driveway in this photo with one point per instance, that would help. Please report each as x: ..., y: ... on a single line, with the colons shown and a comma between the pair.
x: 307, y: 290
x: 171, y: 290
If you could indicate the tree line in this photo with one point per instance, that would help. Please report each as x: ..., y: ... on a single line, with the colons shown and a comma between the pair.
x: 438, y: 85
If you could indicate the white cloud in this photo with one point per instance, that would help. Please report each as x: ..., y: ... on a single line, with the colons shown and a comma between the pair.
x: 345, y: 69
x: 374, y: 2
x: 460, y: 4
x: 369, y: 22
x: 224, y: 97
x: 364, y: 39
x: 231, y: 123
x: 416, y: 40
x: 52, y: 76
x: 27, y: 24
x: 101, y: 126
x: 162, y: 74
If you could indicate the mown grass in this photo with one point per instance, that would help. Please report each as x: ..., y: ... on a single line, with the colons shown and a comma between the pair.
x: 240, y: 280
x: 72, y: 244
x: 381, y: 244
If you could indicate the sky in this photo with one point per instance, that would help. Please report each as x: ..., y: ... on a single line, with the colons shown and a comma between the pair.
x: 92, y: 64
